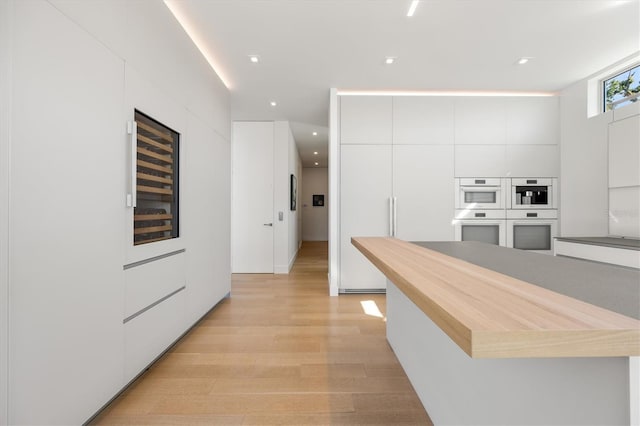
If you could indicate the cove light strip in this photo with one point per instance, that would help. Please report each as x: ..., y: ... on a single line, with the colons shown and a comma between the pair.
x: 189, y: 28
x: 341, y: 92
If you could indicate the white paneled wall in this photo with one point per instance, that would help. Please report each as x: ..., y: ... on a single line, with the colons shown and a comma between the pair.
x: 79, y: 69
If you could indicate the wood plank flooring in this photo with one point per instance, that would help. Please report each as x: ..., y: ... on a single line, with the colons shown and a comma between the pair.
x: 280, y: 351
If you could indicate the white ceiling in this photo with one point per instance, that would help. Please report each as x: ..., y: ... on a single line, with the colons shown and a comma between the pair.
x: 307, y: 47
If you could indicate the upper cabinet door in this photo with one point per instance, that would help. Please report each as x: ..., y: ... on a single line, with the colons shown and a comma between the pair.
x: 366, y: 120
x: 423, y: 120
x: 533, y: 120
x: 480, y: 120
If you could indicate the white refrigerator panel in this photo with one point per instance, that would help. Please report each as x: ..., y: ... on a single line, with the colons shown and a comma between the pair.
x: 365, y: 194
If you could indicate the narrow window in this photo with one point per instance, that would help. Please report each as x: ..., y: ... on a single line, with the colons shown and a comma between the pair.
x: 621, y: 89
x: 155, y: 216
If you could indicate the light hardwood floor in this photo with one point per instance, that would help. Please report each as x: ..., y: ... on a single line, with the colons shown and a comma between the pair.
x: 280, y: 351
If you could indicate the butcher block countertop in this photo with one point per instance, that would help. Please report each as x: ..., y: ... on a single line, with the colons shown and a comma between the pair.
x: 492, y: 315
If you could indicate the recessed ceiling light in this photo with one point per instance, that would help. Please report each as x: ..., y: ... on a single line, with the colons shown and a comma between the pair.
x: 412, y: 8
x: 274, y: 103
x: 316, y: 163
x: 523, y: 60
x: 315, y: 152
x: 389, y: 60
x: 254, y: 58
x: 315, y: 133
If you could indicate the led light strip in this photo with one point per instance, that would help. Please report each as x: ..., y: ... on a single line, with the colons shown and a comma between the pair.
x: 182, y: 19
x: 346, y: 92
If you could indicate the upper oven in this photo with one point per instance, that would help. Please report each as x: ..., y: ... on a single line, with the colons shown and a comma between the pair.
x: 480, y: 193
x: 533, y: 193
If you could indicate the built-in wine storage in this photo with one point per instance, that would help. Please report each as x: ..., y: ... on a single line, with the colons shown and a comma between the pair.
x: 156, y: 213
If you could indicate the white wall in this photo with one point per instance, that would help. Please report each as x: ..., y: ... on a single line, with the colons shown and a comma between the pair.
x: 315, y: 220
x: 286, y: 162
x: 295, y: 217
x: 584, y: 168
x: 583, y: 165
x: 74, y: 64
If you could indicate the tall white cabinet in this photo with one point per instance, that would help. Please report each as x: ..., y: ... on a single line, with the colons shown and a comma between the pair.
x: 391, y: 179
x: 399, y: 155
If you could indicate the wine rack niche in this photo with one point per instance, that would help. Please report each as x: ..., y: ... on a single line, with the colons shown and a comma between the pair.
x: 155, y: 216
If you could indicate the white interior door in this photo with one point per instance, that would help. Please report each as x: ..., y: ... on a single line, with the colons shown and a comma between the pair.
x: 365, y: 190
x: 252, y: 209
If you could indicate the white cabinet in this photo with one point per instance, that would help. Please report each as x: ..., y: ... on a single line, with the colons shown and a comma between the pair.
x: 365, y: 191
x: 480, y: 160
x: 480, y: 120
x: 148, y: 335
x: 420, y: 180
x: 533, y: 120
x: 410, y: 148
x: 624, y: 177
x: 365, y: 120
x: 423, y: 188
x: 423, y: 120
x: 624, y: 152
x: 532, y: 160
x: 67, y: 213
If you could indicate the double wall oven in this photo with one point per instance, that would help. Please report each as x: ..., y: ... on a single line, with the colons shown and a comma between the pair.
x: 513, y: 212
x: 480, y: 214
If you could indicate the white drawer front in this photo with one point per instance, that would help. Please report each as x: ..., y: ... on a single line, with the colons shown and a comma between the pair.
x: 149, y: 334
x: 147, y: 283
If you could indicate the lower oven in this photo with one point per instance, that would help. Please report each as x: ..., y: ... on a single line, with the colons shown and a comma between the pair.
x: 487, y: 226
x: 532, y: 230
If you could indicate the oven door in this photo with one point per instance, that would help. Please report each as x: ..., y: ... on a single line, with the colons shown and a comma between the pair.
x: 479, y: 193
x: 532, y: 193
x: 490, y: 231
x: 532, y: 234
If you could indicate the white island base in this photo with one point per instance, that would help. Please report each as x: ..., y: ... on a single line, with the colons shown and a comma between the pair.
x: 456, y: 389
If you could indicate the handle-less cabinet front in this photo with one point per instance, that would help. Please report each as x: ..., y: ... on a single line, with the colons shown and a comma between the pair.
x: 365, y: 208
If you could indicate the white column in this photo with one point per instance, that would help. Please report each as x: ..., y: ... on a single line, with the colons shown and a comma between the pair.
x: 6, y: 21
x: 334, y: 194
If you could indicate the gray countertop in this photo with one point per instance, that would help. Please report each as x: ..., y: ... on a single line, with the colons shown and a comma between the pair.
x: 611, y: 287
x: 617, y: 242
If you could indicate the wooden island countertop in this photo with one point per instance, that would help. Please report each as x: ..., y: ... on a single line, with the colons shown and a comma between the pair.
x: 492, y: 315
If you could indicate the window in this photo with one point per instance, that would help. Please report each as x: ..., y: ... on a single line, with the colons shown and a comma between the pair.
x: 621, y: 89
x: 155, y: 216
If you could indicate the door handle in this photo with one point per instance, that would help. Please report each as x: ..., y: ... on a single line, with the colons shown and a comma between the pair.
x: 268, y: 224
x: 395, y: 216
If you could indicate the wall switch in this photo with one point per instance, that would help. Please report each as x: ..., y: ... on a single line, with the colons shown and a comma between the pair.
x: 280, y: 216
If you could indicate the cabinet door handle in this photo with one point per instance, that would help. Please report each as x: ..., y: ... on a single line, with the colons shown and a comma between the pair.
x: 395, y: 216
x: 391, y: 216
x: 132, y: 130
x: 268, y: 224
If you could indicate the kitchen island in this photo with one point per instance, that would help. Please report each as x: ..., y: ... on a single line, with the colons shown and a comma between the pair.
x: 491, y: 335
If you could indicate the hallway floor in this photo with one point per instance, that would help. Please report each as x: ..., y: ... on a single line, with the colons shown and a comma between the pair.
x: 280, y: 351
